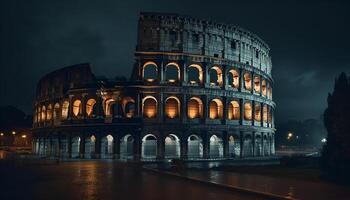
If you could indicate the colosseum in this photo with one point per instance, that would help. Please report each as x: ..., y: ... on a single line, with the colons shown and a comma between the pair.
x: 199, y: 90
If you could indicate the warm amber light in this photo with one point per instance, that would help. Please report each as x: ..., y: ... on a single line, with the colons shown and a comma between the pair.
x: 247, y: 111
x: 76, y: 107
x: 215, y: 109
x: 1, y: 134
x: 24, y: 136
x: 247, y: 81
x: 194, y: 109
x: 13, y: 133
x: 171, y: 80
x: 150, y: 108
x: 90, y: 106
x: 171, y: 108
x: 234, y: 111
x: 150, y: 80
x: 257, y: 116
x: 193, y: 82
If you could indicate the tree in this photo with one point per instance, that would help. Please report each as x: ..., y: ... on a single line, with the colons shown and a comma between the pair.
x: 335, y: 159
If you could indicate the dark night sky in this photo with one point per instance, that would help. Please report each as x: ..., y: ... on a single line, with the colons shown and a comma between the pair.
x: 309, y: 40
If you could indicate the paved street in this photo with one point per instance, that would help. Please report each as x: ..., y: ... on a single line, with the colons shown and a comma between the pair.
x: 90, y: 180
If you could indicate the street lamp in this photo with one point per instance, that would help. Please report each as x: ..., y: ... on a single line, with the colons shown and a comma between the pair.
x: 13, y: 132
x: 24, y: 136
x: 289, y: 136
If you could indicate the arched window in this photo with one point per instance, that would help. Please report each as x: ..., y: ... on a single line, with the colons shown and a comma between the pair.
x: 248, y: 111
x: 215, y: 109
x: 149, y: 107
x: 150, y: 71
x: 265, y: 113
x: 38, y: 113
x: 195, y: 74
x: 109, y: 107
x: 172, y: 146
x: 65, y: 109
x: 263, y: 87
x: 257, y: 113
x: 149, y: 146
x: 128, y: 107
x: 56, y: 111
x: 172, y: 72
x: 257, y: 84
x: 90, y: 107
x: 172, y: 107
x: 49, y: 112
x: 233, y: 78
x: 43, y: 113
x: 269, y: 92
x: 234, y: 110
x: 215, y: 76
x: 195, y: 108
x: 247, y: 81
x: 77, y: 108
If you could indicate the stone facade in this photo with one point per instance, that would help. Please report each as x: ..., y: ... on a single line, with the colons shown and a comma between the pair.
x: 198, y: 90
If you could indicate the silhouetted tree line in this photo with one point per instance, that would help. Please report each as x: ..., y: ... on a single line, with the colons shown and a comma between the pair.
x: 335, y: 159
x: 307, y: 133
x: 11, y: 118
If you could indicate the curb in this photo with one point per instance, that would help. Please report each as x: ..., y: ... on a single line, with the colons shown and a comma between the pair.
x: 230, y: 187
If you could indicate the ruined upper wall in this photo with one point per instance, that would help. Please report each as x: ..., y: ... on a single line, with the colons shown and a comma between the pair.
x: 56, y: 83
x: 174, y: 33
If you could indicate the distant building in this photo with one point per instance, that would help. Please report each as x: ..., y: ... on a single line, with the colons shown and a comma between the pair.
x: 198, y: 90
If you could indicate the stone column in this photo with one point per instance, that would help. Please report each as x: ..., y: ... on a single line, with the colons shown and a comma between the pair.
x: 69, y: 145
x: 253, y: 144
x: 160, y: 146
x: 116, y: 146
x: 226, y: 144
x: 241, y: 154
x: 137, y: 146
x: 98, y: 145
x: 183, y: 147
x: 184, y: 108
x: 262, y: 145
x: 82, y: 146
x: 206, y: 145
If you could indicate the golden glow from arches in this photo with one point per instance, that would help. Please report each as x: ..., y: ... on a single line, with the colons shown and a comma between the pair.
x: 154, y: 73
x: 215, y: 109
x: 168, y: 67
x: 56, y: 110
x: 172, y: 107
x: 43, y: 113
x: 65, y: 109
x: 218, y: 72
x: 108, y: 107
x: 149, y: 107
x: 235, y: 78
x: 234, y: 110
x: 49, y: 112
x: 257, y: 84
x: 265, y: 113
x: 247, y: 111
x: 195, y: 108
x: 200, y: 74
x: 247, y: 81
x: 257, y: 112
x: 263, y: 87
x: 90, y: 104
x: 128, y: 105
x: 77, y: 108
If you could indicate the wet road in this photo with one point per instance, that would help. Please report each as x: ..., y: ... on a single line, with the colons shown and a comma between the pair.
x: 90, y: 180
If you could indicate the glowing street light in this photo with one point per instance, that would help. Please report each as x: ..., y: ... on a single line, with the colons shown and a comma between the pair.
x: 324, y: 140
x: 13, y: 132
x: 24, y: 136
x: 1, y: 134
x: 289, y: 136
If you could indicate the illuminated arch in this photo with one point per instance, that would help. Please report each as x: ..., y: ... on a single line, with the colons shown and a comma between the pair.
x: 107, y: 146
x: 215, y: 109
x: 247, y: 81
x: 216, y: 149
x: 263, y: 87
x: 195, y: 108
x: 109, y: 107
x: 128, y: 105
x: 149, y: 146
x: 90, y: 107
x: 75, y: 147
x: 172, y: 107
x: 247, y: 111
x: 149, y: 107
x: 269, y: 92
x: 257, y: 84
x: 150, y: 71
x: 234, y: 146
x: 233, y: 78
x: 265, y: 113
x: 257, y: 112
x: 172, y: 146
x: 90, y: 143
x: 194, y: 146
x: 234, y: 112
x: 43, y: 113
x: 172, y: 72
x: 127, y: 146
x: 195, y: 74
x: 56, y: 111
x: 77, y: 108
x: 215, y: 76
x: 65, y: 109
x: 49, y: 112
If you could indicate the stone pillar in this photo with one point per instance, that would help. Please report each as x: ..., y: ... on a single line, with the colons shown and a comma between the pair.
x: 253, y: 144
x: 70, y: 111
x: 99, y: 108
x: 241, y: 154
x: 226, y: 144
x: 98, y: 145
x: 83, y: 106
x: 82, y: 146
x: 137, y: 146
x: 241, y: 110
x: 183, y: 148
x: 69, y: 145
x: 262, y: 145
x: 160, y: 108
x: 160, y: 146
x: 116, y: 146
x: 206, y: 145
x: 224, y: 109
x: 184, y: 108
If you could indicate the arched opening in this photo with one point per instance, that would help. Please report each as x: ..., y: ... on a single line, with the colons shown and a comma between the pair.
x: 247, y: 146
x: 257, y: 84
x: 269, y: 92
x: 215, y: 76
x: 107, y: 147
x: 49, y: 112
x: 149, y: 107
x: 247, y: 81
x: 172, y: 72
x: 195, y: 74
x: 128, y: 107
x: 64, y: 147
x: 258, y: 145
x: 233, y: 110
x: 265, y: 113
x: 266, y: 144
x: 43, y: 113
x: 65, y: 109
x: 234, y: 147
x: 56, y: 112
x: 233, y: 78
x: 263, y: 87
x: 149, y: 147
x: 91, y: 108
x: 216, y: 149
x: 110, y: 109
x: 172, y: 146
x: 194, y: 147
x: 38, y: 114
x: 195, y: 108
x: 150, y: 71
x: 257, y: 113
x: 90, y: 143
x: 75, y: 147
x: 127, y: 147
x: 215, y: 109
x: 77, y: 108
x: 247, y: 111
x: 54, y: 147
x: 172, y: 107
x: 270, y: 115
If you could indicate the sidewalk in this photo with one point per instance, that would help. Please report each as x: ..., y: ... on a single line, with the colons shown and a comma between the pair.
x: 288, y: 187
